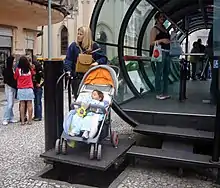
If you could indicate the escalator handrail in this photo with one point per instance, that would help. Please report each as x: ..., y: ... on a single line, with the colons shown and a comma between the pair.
x: 123, y: 115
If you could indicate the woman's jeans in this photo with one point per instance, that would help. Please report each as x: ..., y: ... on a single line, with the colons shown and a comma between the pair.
x: 162, y: 71
x: 10, y: 96
x: 38, y: 102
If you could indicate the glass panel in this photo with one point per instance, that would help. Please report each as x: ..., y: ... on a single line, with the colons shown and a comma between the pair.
x: 135, y: 23
x: 134, y: 71
x: 216, y: 26
x: 148, y: 66
x: 110, y: 19
x: 124, y: 92
x: 146, y: 41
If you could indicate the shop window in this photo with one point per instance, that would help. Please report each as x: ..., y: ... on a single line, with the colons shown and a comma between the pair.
x: 64, y: 40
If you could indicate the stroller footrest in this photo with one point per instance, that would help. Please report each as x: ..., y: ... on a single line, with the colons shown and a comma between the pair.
x: 78, y: 138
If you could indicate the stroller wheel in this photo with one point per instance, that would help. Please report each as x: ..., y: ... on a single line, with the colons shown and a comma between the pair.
x: 64, y: 147
x: 99, y: 152
x: 92, y: 152
x: 114, y: 139
x: 57, y: 146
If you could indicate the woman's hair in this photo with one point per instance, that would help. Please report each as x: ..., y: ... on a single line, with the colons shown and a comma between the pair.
x: 100, y: 94
x: 9, y: 62
x: 157, y: 16
x: 24, y: 65
x: 87, y: 39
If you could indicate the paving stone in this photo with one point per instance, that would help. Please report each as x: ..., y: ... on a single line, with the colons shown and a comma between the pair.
x: 22, y: 145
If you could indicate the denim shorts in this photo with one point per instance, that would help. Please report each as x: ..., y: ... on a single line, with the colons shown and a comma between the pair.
x: 26, y: 94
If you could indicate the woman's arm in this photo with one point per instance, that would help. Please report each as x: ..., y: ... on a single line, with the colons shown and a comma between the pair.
x: 153, y: 35
x: 69, y: 60
x: 99, y: 55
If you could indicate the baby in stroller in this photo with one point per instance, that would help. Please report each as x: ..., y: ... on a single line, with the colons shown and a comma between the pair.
x: 87, y: 122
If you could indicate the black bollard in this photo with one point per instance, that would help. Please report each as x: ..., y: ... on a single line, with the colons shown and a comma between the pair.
x: 216, y: 143
x: 185, y: 78
x: 181, y: 80
x: 53, y: 109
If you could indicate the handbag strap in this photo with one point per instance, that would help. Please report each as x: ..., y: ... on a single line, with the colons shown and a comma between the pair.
x: 81, y: 51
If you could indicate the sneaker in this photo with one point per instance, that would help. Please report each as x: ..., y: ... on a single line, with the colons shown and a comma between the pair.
x: 37, y: 119
x: 85, y: 135
x: 72, y: 134
x: 160, y: 97
x: 167, y: 97
x: 5, y: 122
x: 13, y: 121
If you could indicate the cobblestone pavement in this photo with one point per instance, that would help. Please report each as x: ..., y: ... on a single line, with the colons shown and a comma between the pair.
x: 20, y: 147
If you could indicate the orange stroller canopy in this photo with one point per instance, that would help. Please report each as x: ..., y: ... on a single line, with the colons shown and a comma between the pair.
x: 99, y: 76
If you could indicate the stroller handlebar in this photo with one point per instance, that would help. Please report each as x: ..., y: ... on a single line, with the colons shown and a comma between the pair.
x: 90, y: 106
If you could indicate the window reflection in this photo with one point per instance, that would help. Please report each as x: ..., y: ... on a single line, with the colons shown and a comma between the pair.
x: 216, y: 26
x: 110, y: 19
x: 135, y: 23
x: 102, y: 38
x: 124, y: 93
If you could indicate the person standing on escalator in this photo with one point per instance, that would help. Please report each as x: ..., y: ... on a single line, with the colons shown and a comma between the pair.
x: 83, y: 44
x: 160, y: 35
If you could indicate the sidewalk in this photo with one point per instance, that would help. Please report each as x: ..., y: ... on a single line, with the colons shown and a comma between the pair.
x: 20, y: 147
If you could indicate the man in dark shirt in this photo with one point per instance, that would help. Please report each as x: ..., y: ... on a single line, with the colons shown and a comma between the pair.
x: 201, y: 46
x: 38, y: 81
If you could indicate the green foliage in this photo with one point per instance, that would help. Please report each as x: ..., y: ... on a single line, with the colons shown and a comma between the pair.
x: 130, y: 66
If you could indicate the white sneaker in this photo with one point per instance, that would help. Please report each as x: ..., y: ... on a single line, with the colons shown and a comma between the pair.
x: 72, y: 134
x: 5, y: 122
x: 13, y: 121
x: 85, y: 135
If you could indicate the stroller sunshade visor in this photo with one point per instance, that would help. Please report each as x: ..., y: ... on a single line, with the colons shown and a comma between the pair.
x: 99, y: 76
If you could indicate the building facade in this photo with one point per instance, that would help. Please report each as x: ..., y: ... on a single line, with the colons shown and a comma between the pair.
x: 108, y: 26
x: 64, y: 32
x: 19, y: 21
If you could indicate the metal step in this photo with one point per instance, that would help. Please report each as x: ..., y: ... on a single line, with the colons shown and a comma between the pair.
x: 195, y: 121
x: 181, y: 158
x: 170, y: 131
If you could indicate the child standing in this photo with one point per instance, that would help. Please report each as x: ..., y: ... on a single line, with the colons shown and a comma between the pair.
x: 38, y: 81
x: 23, y: 75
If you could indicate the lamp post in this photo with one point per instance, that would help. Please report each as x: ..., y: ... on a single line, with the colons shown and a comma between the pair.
x: 49, y: 30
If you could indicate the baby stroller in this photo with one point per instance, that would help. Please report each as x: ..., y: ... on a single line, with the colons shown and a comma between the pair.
x: 105, y: 79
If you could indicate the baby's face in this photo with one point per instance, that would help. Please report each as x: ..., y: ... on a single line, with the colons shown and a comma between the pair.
x: 95, y: 95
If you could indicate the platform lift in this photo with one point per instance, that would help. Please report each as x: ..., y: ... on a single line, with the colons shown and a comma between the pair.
x: 77, y: 156
x: 178, y: 133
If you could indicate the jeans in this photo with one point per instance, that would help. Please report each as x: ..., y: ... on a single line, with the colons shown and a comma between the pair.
x: 38, y: 102
x: 10, y: 96
x: 162, y: 70
x: 194, y: 69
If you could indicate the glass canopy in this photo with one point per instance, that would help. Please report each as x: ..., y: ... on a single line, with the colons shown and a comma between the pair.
x: 122, y: 29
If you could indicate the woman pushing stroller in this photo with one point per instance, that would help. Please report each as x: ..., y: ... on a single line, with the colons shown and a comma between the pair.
x: 83, y: 45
